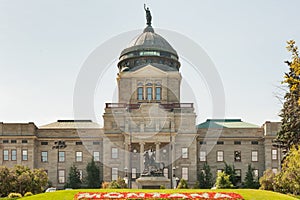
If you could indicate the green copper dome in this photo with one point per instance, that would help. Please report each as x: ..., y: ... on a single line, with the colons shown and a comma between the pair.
x: 149, y: 40
x: 149, y: 47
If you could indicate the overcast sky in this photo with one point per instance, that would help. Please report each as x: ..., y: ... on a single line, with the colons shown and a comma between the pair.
x: 44, y: 44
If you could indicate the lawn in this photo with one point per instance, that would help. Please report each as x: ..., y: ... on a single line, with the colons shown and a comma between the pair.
x: 246, y: 193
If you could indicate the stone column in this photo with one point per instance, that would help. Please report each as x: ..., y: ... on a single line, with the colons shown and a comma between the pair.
x: 173, y: 164
x: 126, y: 155
x: 157, y: 156
x: 142, y: 156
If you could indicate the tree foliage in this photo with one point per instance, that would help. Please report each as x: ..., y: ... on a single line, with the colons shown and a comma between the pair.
x: 74, y: 180
x: 267, y: 180
x: 115, y: 184
x: 21, y: 179
x: 205, y: 178
x: 230, y: 170
x: 223, y: 181
x: 250, y: 179
x: 182, y: 184
x: 289, y: 133
x: 93, y: 175
x: 288, y: 180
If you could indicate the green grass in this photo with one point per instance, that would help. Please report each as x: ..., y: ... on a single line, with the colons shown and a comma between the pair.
x: 246, y: 193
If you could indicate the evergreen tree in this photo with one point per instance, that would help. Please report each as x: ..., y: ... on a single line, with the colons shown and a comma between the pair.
x: 289, y: 133
x: 74, y: 180
x: 93, y: 175
x: 205, y: 177
x: 250, y: 181
x: 230, y: 170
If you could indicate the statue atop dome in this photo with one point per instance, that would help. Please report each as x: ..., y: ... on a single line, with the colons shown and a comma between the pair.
x: 148, y: 15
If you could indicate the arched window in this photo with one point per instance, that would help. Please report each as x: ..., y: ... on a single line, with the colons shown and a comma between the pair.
x: 158, y: 93
x: 149, y: 93
x: 140, y: 93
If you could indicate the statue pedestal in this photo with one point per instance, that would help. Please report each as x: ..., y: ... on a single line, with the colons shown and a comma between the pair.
x: 153, y: 182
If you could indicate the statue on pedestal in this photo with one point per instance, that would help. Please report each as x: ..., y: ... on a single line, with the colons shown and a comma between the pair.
x: 151, y: 167
x: 148, y: 15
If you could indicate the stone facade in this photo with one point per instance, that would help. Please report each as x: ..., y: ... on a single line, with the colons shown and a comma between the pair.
x: 148, y: 117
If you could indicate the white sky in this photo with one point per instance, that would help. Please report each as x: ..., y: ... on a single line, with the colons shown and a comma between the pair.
x: 43, y: 45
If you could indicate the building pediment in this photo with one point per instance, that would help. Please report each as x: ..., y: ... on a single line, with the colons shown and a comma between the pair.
x: 149, y: 70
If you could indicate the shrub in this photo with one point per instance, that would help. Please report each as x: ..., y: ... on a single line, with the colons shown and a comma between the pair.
x: 14, y: 195
x: 105, y: 185
x: 162, y: 187
x: 114, y: 185
x: 121, y: 183
x: 27, y: 194
x: 266, y: 181
x: 182, y: 184
x: 223, y: 181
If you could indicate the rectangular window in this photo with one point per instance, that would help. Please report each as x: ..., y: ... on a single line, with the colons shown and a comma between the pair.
x: 274, y: 170
x: 274, y: 154
x: 238, y: 173
x: 78, y: 156
x: 202, y: 142
x: 24, y: 154
x: 166, y: 172
x: 44, y: 143
x: 149, y: 93
x: 237, y: 142
x: 5, y: 141
x: 14, y: 154
x: 61, y: 156
x: 96, y: 143
x: 185, y: 173
x: 237, y: 156
x: 202, y: 156
x: 220, y: 156
x: 133, y: 173
x: 254, y: 142
x: 254, y: 156
x: 114, y: 174
x: 219, y: 170
x: 255, y: 173
x: 13, y: 141
x: 61, y: 176
x: 24, y: 141
x: 78, y: 143
x: 158, y: 93
x: 114, y: 152
x: 96, y: 156
x: 140, y: 95
x: 5, y: 155
x: 80, y: 174
x: 220, y: 142
x: 184, y: 152
x: 44, y: 156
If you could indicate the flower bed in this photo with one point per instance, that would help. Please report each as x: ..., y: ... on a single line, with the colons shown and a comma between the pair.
x: 156, y: 195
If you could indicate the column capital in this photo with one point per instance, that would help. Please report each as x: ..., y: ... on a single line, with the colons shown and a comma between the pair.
x: 142, y: 143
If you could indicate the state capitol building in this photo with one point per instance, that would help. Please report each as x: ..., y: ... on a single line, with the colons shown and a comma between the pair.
x: 147, y: 117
